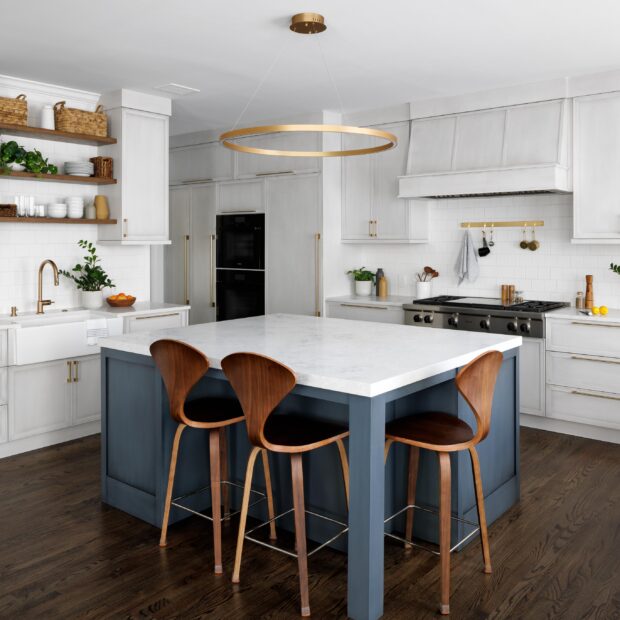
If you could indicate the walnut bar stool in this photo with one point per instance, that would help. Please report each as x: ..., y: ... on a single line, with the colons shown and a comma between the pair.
x: 261, y: 383
x: 444, y: 433
x: 181, y: 367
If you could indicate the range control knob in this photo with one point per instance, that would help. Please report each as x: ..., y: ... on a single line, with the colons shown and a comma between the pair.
x: 485, y: 323
x: 512, y: 326
x: 428, y: 318
x: 453, y: 320
x: 526, y: 328
x: 417, y: 318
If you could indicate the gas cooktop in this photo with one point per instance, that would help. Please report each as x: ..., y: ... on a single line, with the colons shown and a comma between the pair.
x: 490, y: 303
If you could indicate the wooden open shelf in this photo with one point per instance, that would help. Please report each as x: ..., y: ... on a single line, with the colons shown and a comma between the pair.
x: 52, y: 134
x: 51, y: 220
x: 59, y: 178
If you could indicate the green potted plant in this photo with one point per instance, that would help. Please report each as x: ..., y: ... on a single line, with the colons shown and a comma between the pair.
x: 90, y: 278
x: 363, y: 281
x: 615, y: 268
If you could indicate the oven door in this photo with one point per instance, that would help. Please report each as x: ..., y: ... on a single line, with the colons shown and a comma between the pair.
x: 241, y: 241
x: 239, y: 294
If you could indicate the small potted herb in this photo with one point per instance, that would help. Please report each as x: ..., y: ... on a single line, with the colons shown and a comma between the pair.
x: 363, y: 281
x: 90, y: 278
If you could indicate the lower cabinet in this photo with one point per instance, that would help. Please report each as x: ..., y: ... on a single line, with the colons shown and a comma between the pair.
x: 53, y: 395
x: 532, y: 376
x: 149, y: 323
x: 366, y: 312
x: 4, y: 423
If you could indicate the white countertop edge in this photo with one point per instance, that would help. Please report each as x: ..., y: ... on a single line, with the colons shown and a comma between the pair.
x: 390, y: 300
x: 573, y: 314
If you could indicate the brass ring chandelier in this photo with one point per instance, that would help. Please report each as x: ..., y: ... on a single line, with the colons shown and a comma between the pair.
x: 306, y: 23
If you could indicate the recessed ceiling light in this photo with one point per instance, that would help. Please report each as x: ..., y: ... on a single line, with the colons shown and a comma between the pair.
x: 177, y: 89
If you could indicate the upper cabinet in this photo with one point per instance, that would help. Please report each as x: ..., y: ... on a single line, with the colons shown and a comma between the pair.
x: 371, y: 209
x: 596, y: 161
x: 204, y: 162
x: 139, y: 201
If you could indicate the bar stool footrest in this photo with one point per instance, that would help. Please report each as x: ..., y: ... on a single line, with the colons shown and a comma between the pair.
x: 434, y: 512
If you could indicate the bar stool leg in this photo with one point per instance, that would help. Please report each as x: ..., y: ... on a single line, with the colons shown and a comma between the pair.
x: 444, y: 529
x: 244, y: 512
x: 171, y: 472
x: 297, y: 475
x: 216, y: 497
x: 386, y: 450
x: 344, y: 462
x: 412, y: 478
x: 270, y: 508
x: 482, y: 519
x: 224, y: 474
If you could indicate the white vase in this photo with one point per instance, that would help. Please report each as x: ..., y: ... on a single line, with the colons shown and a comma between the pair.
x: 92, y: 299
x: 423, y: 290
x: 363, y: 288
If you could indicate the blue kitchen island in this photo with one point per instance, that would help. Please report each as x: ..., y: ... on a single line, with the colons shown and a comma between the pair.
x: 359, y: 373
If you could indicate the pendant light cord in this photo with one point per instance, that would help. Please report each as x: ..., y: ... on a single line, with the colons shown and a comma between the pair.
x: 259, y: 86
x: 331, y: 77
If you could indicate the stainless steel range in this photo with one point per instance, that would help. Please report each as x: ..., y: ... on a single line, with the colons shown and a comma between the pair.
x: 481, y: 314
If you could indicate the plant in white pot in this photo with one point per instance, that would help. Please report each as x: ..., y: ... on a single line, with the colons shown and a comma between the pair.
x: 90, y: 278
x: 363, y: 281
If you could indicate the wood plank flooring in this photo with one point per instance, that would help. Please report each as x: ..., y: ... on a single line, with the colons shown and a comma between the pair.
x: 65, y: 555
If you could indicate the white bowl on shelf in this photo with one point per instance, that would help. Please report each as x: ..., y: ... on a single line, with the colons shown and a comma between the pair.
x: 75, y: 213
x: 57, y: 210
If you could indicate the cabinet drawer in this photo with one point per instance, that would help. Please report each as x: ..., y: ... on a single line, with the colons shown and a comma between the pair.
x: 3, y: 347
x: 150, y: 323
x: 362, y: 312
x: 4, y: 423
x: 587, y: 372
x: 243, y: 196
x: 585, y: 406
x: 3, y: 385
x: 587, y: 337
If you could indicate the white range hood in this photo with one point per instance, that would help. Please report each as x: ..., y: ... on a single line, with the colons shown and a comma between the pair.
x: 520, y: 149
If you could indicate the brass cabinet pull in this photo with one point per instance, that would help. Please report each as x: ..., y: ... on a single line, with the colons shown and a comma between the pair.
x: 125, y: 226
x: 595, y: 395
x: 69, y: 379
x: 186, y: 269
x: 590, y: 358
x: 596, y: 324
x: 270, y: 174
x: 155, y: 316
x: 212, y: 283
x: 376, y: 229
x: 364, y: 306
x: 317, y: 270
x: 370, y: 228
x: 76, y: 376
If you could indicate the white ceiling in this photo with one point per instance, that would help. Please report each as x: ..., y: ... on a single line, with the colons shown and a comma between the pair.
x: 380, y: 53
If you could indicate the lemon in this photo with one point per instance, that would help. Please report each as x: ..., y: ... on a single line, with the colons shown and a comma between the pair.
x: 596, y: 310
x: 603, y: 310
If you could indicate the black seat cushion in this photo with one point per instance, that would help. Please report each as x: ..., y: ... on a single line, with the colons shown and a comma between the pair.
x: 213, y: 410
x: 292, y: 430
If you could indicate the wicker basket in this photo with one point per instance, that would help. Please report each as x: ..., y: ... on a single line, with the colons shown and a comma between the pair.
x: 73, y: 120
x: 14, y: 111
x: 103, y: 167
x: 8, y: 210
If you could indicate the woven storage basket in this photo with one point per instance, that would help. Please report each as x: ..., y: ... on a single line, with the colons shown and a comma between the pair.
x: 73, y: 120
x: 103, y: 167
x: 8, y: 210
x: 14, y: 111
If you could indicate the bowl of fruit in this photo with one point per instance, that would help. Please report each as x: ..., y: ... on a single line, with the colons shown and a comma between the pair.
x: 121, y: 300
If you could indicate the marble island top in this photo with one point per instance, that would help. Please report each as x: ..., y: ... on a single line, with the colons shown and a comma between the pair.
x: 356, y: 357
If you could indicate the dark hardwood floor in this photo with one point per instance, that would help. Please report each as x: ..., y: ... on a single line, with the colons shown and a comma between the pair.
x: 65, y: 555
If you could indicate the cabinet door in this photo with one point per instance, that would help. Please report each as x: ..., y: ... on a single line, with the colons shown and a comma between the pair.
x: 390, y: 212
x: 202, y: 251
x: 176, y: 255
x: 532, y: 376
x: 4, y: 424
x: 39, y: 398
x: 204, y: 162
x: 151, y: 323
x: 293, y: 267
x: 246, y: 196
x: 86, y: 389
x: 144, y: 176
x: 356, y: 190
x: 596, y: 161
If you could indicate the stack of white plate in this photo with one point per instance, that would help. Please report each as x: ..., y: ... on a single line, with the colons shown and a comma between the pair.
x: 79, y: 168
x: 57, y: 210
x: 75, y: 207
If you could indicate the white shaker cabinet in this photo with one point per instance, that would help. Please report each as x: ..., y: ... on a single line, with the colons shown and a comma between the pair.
x: 201, y: 163
x: 293, y: 228
x: 532, y: 376
x: 86, y: 389
x: 189, y: 260
x: 372, y: 212
x: 596, y: 161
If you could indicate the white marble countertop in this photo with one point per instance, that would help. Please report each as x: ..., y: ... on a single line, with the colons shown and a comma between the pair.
x: 613, y: 315
x: 390, y: 300
x: 348, y: 356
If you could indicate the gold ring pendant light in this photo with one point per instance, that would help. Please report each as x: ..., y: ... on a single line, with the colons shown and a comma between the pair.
x: 307, y: 23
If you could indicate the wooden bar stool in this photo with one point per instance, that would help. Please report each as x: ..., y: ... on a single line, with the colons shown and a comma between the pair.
x: 444, y: 433
x: 181, y: 367
x: 261, y: 383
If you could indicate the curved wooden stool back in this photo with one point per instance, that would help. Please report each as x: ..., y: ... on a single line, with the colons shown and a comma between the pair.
x: 261, y: 383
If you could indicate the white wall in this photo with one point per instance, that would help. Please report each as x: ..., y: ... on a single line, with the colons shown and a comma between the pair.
x: 556, y: 271
x: 24, y: 246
